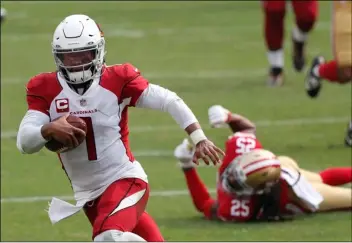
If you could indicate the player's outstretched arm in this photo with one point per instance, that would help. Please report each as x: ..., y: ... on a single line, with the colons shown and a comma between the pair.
x: 159, y: 98
x: 137, y: 91
x: 199, y: 193
x: 204, y: 148
x: 240, y: 123
x: 219, y: 116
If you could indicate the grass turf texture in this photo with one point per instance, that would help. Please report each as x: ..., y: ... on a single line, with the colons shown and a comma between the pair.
x: 209, y: 53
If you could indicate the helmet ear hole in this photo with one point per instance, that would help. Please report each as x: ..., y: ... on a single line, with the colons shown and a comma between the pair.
x: 234, y: 184
x: 265, y: 173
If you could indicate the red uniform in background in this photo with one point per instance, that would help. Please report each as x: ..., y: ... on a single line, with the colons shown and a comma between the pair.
x: 306, y: 13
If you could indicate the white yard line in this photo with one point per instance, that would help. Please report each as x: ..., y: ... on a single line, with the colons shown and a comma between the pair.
x: 153, y: 153
x: 167, y: 193
x: 263, y: 123
x: 126, y: 30
x: 201, y: 74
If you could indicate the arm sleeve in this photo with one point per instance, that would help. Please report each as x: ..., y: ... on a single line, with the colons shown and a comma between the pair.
x: 29, y: 136
x: 158, y: 98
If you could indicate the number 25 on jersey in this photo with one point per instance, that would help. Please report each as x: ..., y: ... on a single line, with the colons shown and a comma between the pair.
x: 239, y: 208
x: 245, y: 145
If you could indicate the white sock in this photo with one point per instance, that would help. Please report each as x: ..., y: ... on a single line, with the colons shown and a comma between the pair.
x: 316, y: 71
x: 299, y: 35
x: 116, y: 236
x: 276, y: 58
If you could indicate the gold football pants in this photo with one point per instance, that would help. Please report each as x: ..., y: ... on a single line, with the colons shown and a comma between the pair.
x: 334, y: 197
x: 342, y: 32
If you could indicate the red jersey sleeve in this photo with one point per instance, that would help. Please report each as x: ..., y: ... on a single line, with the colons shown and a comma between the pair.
x: 34, y: 94
x: 134, y: 82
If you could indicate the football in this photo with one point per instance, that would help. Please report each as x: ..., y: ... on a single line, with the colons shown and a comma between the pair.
x: 56, y: 146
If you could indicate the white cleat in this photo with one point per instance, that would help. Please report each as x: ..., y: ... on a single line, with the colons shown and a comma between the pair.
x: 348, y: 138
x: 312, y: 81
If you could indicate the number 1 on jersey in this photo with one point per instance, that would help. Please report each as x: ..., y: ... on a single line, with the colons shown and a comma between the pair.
x: 90, y: 140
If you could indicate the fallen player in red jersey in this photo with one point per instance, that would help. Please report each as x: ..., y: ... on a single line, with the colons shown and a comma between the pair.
x: 253, y: 184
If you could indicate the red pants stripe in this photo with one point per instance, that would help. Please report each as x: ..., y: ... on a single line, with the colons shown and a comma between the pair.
x: 110, y: 210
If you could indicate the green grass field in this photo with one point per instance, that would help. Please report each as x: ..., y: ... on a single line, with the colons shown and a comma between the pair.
x: 209, y: 53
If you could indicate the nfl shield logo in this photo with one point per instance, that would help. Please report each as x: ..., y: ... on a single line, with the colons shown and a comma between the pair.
x: 83, y: 102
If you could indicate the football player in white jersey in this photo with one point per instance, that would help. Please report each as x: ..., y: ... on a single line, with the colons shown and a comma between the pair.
x: 108, y: 183
x: 254, y: 184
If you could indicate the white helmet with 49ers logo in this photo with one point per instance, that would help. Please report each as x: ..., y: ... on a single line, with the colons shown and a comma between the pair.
x: 79, y: 48
x: 251, y: 173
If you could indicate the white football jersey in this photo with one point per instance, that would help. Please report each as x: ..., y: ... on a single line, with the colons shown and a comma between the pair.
x: 104, y: 156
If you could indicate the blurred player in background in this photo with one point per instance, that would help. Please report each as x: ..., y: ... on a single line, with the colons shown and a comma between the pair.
x: 274, y: 14
x: 253, y: 184
x: 338, y: 70
x: 108, y: 183
x: 3, y: 15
